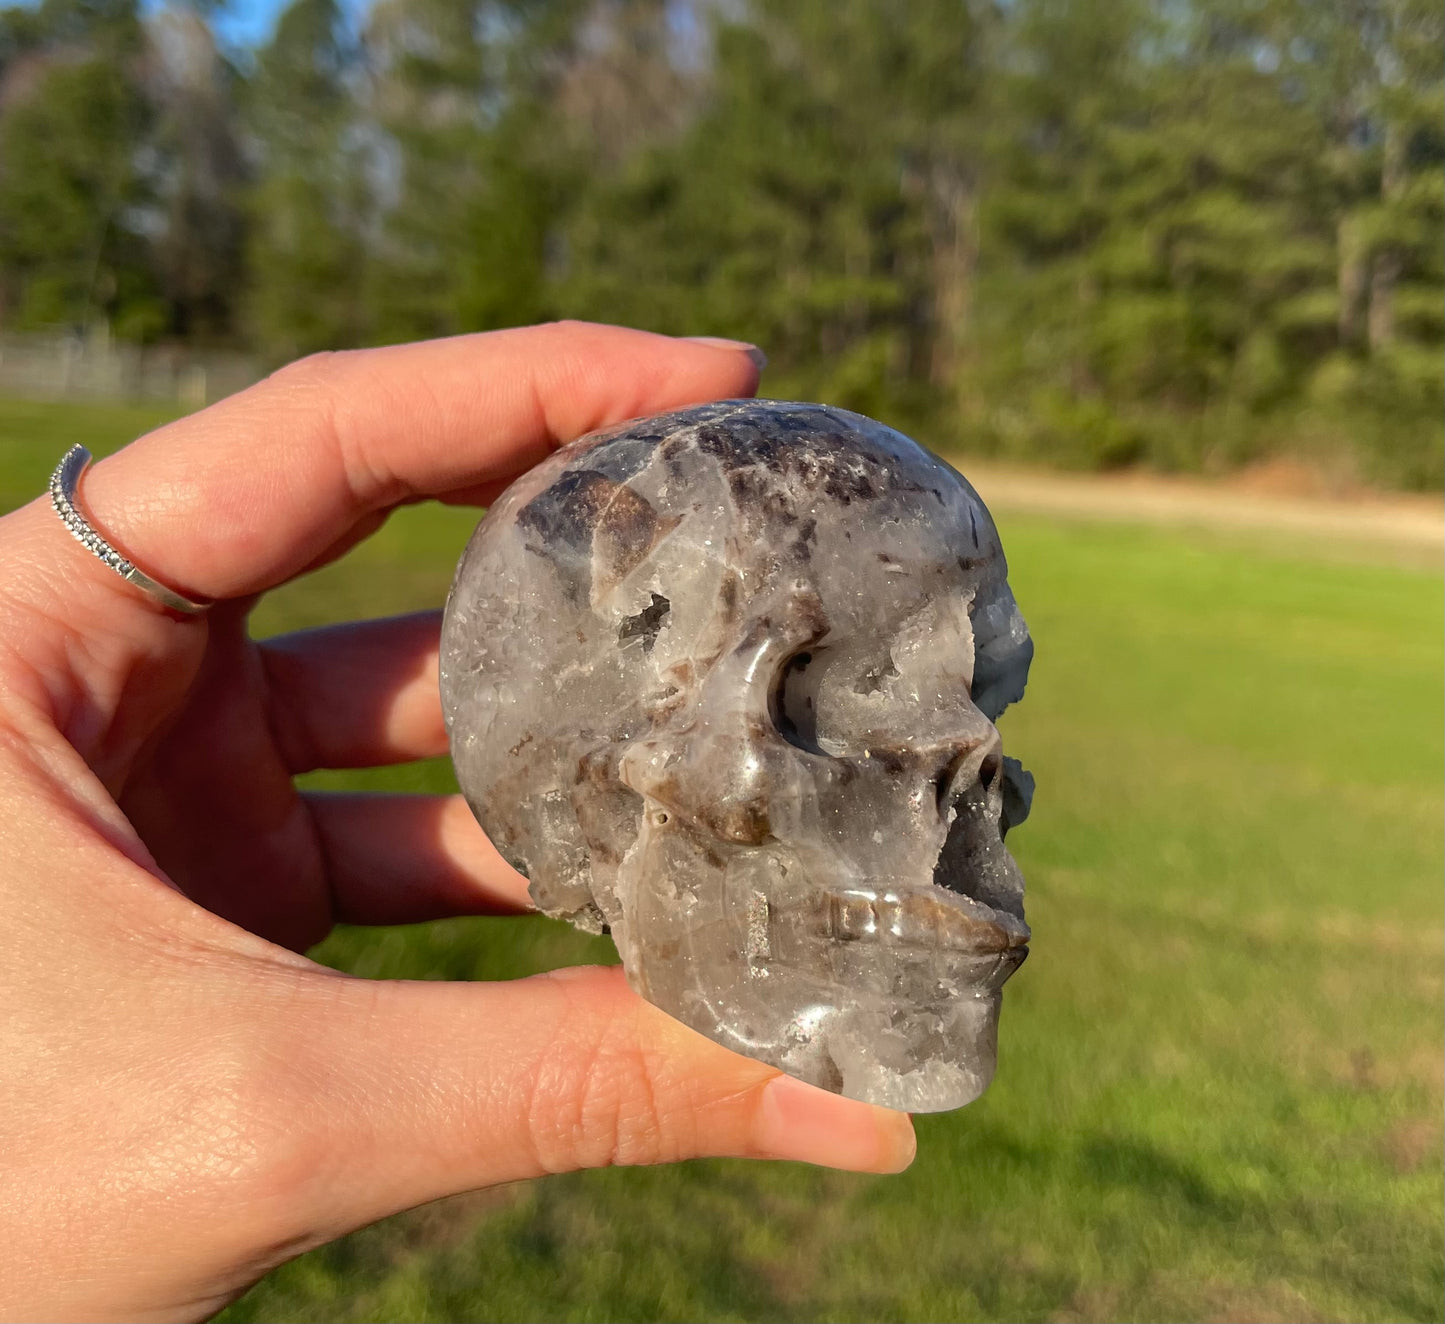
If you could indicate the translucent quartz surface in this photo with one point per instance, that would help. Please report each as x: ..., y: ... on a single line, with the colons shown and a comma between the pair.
x: 724, y: 681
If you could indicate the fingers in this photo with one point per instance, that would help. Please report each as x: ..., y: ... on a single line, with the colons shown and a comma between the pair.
x: 249, y: 492
x: 437, y: 1088
x: 402, y: 859
x: 358, y: 695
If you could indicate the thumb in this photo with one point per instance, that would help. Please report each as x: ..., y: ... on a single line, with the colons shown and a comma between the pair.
x: 428, y: 1089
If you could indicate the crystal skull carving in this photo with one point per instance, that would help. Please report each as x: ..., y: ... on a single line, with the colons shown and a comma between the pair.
x: 724, y: 682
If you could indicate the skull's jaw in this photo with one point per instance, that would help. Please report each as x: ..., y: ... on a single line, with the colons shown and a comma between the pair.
x: 923, y: 1039
x: 927, y: 1057
x: 888, y: 995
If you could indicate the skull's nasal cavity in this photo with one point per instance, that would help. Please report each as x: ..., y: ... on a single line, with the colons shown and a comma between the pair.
x: 950, y: 788
x: 973, y: 831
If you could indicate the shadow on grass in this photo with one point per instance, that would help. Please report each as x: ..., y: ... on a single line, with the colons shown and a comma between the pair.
x: 1152, y: 1173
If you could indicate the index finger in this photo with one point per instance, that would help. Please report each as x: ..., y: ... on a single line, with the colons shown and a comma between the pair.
x: 244, y: 495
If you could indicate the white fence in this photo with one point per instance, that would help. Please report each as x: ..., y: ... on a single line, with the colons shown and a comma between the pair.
x: 66, y: 366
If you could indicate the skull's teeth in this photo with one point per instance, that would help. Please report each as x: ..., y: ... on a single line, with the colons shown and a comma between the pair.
x: 851, y: 916
x: 916, y: 919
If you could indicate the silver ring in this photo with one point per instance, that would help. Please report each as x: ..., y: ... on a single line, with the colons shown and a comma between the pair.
x: 64, y: 485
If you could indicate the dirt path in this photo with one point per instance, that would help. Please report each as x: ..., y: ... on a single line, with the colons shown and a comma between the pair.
x: 1407, y: 523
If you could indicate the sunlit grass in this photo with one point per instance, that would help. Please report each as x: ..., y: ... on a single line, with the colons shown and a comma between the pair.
x: 35, y: 434
x: 1219, y: 1092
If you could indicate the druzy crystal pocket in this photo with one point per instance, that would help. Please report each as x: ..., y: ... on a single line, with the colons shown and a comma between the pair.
x: 724, y: 682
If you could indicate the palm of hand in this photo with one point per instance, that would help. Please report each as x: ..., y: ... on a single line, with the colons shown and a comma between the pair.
x: 211, y: 793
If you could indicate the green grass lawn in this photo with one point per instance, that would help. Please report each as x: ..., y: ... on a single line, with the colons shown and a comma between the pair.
x: 1219, y: 1089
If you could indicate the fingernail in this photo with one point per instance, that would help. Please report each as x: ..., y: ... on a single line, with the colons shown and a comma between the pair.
x: 798, y: 1121
x: 718, y: 342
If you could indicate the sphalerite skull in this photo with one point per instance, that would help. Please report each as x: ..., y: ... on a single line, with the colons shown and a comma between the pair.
x: 724, y: 682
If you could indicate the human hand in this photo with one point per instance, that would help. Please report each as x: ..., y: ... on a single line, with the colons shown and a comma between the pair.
x: 186, y: 1102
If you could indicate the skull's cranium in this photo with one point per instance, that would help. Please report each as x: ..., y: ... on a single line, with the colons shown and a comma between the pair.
x: 724, y: 682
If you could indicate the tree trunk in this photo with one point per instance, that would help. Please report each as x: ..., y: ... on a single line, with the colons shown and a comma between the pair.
x: 1354, y: 280
x: 953, y: 231
x: 1388, y: 262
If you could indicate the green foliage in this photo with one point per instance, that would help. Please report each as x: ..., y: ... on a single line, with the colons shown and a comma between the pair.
x: 1088, y: 232
x: 118, y: 172
x: 475, y: 169
x: 1176, y: 232
x: 70, y: 184
x: 309, y: 207
x: 198, y: 174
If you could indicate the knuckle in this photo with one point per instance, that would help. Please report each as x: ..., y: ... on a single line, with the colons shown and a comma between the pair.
x: 310, y: 370
x: 565, y: 328
x: 317, y: 387
x: 567, y: 345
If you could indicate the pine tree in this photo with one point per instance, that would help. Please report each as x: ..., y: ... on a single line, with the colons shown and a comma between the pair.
x: 197, y: 178
x: 463, y: 236
x: 820, y: 203
x: 1373, y: 74
x: 311, y: 204
x: 70, y: 189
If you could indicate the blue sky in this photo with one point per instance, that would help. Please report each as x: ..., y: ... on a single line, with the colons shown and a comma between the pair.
x: 238, y: 22
x: 249, y: 22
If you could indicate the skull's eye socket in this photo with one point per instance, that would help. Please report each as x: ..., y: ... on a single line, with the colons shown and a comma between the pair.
x: 794, y: 700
